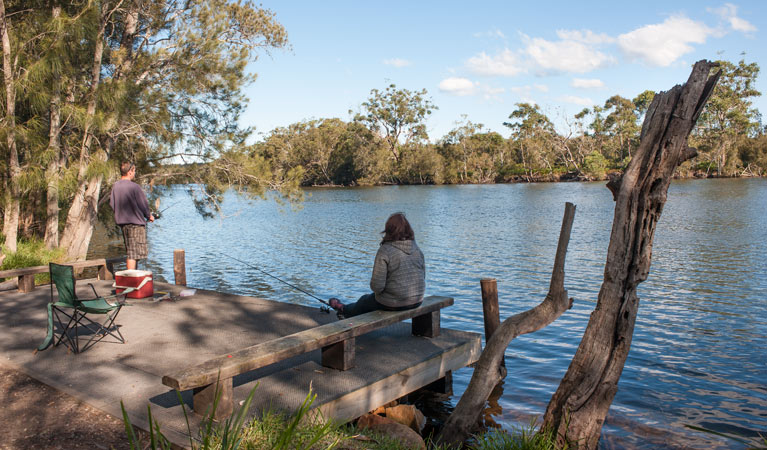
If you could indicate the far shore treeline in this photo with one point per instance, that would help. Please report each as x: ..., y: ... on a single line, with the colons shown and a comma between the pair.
x: 87, y: 84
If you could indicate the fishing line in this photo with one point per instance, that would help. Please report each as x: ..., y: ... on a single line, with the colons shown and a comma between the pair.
x: 157, y: 214
x: 324, y: 309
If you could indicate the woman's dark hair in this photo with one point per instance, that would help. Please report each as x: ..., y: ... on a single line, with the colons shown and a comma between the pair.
x: 397, y: 228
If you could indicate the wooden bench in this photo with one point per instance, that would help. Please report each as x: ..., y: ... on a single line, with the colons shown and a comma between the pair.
x: 26, y: 275
x: 336, y: 340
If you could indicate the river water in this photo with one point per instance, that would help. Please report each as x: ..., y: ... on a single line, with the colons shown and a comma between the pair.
x: 699, y: 352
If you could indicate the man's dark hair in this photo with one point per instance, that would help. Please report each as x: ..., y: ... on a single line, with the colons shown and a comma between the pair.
x: 125, y: 167
x: 397, y: 228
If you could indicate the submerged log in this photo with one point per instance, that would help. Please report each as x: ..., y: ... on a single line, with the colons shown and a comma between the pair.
x: 577, y: 410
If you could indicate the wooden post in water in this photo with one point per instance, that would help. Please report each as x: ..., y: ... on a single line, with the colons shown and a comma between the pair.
x: 179, y: 267
x: 491, y: 313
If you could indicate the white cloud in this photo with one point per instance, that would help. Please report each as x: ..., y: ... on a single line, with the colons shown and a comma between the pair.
x: 582, y: 101
x: 492, y: 93
x: 457, y: 86
x: 585, y: 36
x: 587, y: 83
x: 729, y: 13
x: 541, y: 87
x: 493, y: 34
x: 397, y: 62
x: 505, y: 63
x: 662, y: 44
x: 577, y: 53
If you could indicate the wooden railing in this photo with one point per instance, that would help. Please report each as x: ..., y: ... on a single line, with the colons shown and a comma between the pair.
x: 26, y: 275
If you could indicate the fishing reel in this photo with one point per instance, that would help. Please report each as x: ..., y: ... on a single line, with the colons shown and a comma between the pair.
x: 327, y: 309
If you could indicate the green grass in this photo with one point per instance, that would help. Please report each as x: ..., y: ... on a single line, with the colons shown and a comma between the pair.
x: 31, y: 253
x: 520, y: 438
x: 302, y: 430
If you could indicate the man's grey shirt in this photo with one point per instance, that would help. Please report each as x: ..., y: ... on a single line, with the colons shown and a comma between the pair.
x: 129, y: 203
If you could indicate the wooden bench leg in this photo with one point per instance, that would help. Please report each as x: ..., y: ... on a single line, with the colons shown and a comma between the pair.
x: 26, y: 283
x: 105, y: 272
x: 339, y: 355
x: 442, y: 386
x: 426, y: 325
x: 203, y: 398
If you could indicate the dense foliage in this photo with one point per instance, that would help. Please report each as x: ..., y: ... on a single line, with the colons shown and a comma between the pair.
x: 88, y: 83
x: 387, y: 141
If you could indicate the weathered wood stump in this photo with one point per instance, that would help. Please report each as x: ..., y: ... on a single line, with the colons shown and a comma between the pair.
x: 577, y: 410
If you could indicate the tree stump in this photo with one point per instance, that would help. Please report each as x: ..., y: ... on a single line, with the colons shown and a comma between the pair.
x: 578, y: 408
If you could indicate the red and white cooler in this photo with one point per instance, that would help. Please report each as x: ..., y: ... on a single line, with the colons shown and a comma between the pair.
x: 139, y: 279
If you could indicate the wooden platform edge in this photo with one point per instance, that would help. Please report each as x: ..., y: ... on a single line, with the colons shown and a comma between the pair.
x: 265, y: 353
x: 355, y: 404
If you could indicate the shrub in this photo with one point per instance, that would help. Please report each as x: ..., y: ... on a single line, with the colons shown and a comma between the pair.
x: 31, y: 253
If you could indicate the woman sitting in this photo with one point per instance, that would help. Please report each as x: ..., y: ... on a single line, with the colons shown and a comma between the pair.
x: 399, y: 273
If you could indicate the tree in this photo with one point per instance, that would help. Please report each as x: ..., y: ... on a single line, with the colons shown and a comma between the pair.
x: 456, y: 149
x: 729, y: 116
x: 642, y: 102
x: 398, y: 115
x: 532, y: 133
x: 621, y: 125
x: 11, y: 188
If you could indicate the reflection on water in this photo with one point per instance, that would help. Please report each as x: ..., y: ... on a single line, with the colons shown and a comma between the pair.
x: 698, y: 353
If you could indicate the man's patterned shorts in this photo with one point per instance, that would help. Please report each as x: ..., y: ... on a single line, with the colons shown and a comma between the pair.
x: 135, y: 241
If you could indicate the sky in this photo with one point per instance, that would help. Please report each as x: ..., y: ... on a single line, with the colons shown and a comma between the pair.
x: 478, y: 59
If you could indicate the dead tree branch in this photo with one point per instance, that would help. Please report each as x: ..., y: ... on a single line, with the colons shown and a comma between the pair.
x: 486, y: 375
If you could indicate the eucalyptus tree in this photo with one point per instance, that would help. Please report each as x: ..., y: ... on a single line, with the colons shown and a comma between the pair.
x: 595, y: 129
x: 729, y: 116
x: 642, y: 102
x: 531, y: 133
x: 309, y: 145
x: 622, y: 127
x: 399, y: 116
x: 456, y: 150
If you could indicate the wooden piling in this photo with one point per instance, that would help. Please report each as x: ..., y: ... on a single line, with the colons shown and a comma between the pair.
x: 179, y: 267
x: 490, y: 311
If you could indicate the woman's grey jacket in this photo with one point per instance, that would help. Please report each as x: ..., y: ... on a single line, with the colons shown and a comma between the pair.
x: 399, y: 274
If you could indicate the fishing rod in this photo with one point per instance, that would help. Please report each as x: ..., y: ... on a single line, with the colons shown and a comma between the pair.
x: 159, y: 212
x: 325, y: 309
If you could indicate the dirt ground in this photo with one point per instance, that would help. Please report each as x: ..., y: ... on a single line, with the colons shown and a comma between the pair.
x: 36, y: 416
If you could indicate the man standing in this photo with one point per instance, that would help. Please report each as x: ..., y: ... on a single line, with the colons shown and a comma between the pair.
x: 131, y: 213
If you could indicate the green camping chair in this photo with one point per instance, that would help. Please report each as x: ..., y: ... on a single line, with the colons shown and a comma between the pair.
x: 71, y: 313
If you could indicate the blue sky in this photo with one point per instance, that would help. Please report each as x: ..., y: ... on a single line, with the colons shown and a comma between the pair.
x: 480, y: 58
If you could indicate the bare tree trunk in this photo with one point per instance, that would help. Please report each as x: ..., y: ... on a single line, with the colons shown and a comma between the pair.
x: 486, y: 374
x: 82, y: 214
x: 577, y: 410
x: 52, y: 172
x: 12, y: 194
x: 81, y: 219
x: 52, y: 175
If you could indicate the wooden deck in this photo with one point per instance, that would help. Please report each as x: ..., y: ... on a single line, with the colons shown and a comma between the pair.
x: 167, y: 336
